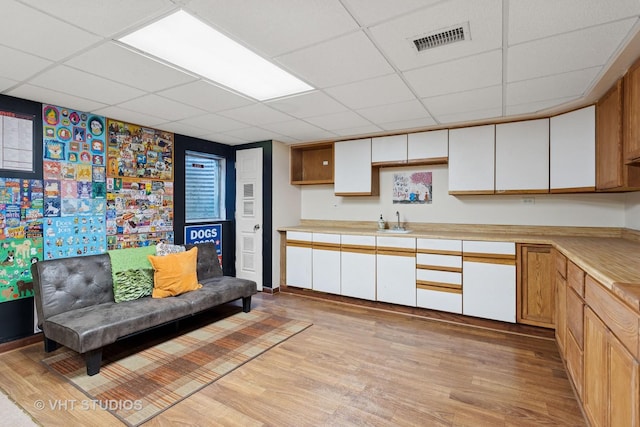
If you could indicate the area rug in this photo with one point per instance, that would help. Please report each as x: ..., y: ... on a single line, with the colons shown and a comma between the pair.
x: 136, y: 384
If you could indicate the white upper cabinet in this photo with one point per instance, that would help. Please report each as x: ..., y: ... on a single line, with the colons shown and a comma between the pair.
x: 472, y: 160
x: 428, y: 147
x: 573, y: 151
x: 522, y: 156
x: 389, y: 150
x: 353, y: 174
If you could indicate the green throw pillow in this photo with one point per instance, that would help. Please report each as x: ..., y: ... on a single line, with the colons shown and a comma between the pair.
x: 132, y: 273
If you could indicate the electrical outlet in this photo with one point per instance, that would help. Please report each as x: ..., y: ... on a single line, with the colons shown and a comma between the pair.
x: 529, y: 200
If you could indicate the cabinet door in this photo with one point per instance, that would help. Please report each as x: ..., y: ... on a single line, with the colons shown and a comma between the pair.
x: 472, y: 160
x: 299, y: 259
x: 609, y: 167
x: 624, y: 385
x: 358, y: 267
x: 536, y: 286
x: 522, y: 157
x: 353, y: 174
x: 396, y: 278
x: 326, y: 263
x: 631, y: 110
x: 561, y: 313
x: 595, y: 370
x: 430, y: 147
x: 572, y: 147
x: 389, y: 150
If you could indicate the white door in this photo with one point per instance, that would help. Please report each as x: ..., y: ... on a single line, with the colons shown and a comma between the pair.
x: 249, y: 215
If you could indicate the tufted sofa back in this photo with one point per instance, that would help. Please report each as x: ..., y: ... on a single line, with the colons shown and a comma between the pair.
x: 66, y: 284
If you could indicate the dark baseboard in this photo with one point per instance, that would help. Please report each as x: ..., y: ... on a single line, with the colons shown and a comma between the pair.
x: 270, y: 290
x: 22, y: 342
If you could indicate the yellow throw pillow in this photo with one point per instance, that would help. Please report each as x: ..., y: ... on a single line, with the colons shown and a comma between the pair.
x: 174, y: 274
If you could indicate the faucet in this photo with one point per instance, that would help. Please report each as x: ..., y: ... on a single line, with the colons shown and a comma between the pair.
x: 398, y: 227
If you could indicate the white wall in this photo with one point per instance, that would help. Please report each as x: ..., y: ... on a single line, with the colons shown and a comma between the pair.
x: 632, y: 211
x: 592, y: 210
x: 286, y: 203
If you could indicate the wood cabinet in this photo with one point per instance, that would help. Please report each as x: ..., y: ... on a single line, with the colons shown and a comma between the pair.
x: 631, y: 111
x: 389, y: 150
x: 472, y: 160
x: 396, y: 270
x: 439, y: 274
x: 572, y: 151
x: 311, y: 164
x: 431, y: 147
x: 299, y: 259
x: 612, y: 174
x: 522, y: 157
x: 326, y: 263
x: 536, y: 291
x: 489, y: 280
x: 353, y: 173
x: 560, y: 277
x: 358, y: 266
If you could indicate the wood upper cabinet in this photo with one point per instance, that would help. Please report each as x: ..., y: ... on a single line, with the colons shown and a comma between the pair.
x: 631, y: 111
x: 612, y: 174
x: 311, y: 164
x: 389, y: 150
x: 536, y: 294
x: 472, y: 160
x: 353, y: 173
x: 430, y: 147
x: 522, y: 157
x: 572, y: 156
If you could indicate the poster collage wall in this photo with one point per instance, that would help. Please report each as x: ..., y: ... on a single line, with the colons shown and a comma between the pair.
x: 106, y: 185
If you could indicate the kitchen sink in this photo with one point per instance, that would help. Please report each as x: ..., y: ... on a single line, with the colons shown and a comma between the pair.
x: 395, y: 231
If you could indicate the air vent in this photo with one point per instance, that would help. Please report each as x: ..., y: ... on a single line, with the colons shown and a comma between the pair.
x: 457, y: 33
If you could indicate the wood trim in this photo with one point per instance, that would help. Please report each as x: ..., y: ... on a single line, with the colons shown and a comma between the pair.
x: 395, y: 252
x: 21, y: 342
x: 572, y: 190
x: 438, y: 252
x: 439, y: 268
x: 391, y: 163
x: 358, y: 249
x: 300, y: 243
x: 439, y: 286
x: 487, y: 260
x: 326, y: 246
x: 313, y: 182
x: 354, y: 194
x: 430, y: 161
x: 473, y: 192
x: 524, y: 191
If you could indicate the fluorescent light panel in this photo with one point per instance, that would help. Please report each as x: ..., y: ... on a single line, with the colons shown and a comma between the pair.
x: 189, y: 43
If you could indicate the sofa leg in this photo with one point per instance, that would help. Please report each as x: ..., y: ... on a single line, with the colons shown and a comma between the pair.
x: 93, y: 359
x: 246, y: 304
x: 49, y: 345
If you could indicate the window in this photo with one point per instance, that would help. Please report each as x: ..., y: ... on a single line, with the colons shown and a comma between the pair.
x: 204, y: 187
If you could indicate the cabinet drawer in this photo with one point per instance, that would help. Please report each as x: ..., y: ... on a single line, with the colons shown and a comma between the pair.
x: 439, y: 262
x: 618, y: 317
x: 561, y: 263
x: 439, y: 278
x: 446, y: 300
x: 299, y: 236
x: 575, y: 316
x: 439, y: 246
x: 575, y: 363
x: 402, y: 244
x: 575, y: 278
x: 473, y: 248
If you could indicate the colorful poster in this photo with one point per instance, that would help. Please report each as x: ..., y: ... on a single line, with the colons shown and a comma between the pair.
x: 21, y: 208
x: 138, y: 152
x: 74, y: 202
x: 413, y: 187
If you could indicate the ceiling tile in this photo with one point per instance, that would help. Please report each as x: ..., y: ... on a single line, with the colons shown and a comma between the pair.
x: 26, y: 29
x: 485, y: 23
x: 79, y: 83
x: 338, y: 61
x: 299, y: 130
x: 122, y: 65
x: 567, y: 52
x: 472, y: 100
x: 420, y: 123
x: 470, y: 116
x: 534, y: 107
x: 257, y: 114
x: 344, y: 120
x: 394, y: 112
x: 276, y: 27
x: 253, y: 134
x: 358, y: 131
x: 551, y: 87
x: 133, y: 117
x: 457, y: 76
x: 530, y: 20
x: 206, y: 96
x: 104, y: 17
x: 48, y: 96
x: 387, y: 89
x: 214, y: 123
x: 161, y: 107
x: 224, y: 139
x: 309, y: 104
x: 6, y: 83
x: 369, y: 12
x: 19, y: 65
x: 184, y: 129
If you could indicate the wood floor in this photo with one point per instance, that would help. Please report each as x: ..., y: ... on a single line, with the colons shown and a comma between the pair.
x: 355, y: 366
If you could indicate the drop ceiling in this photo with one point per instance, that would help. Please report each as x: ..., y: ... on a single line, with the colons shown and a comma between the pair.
x: 523, y: 59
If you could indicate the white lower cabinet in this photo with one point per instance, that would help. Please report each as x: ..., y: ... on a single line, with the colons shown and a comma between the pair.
x: 439, y: 274
x: 326, y: 263
x: 489, y: 280
x: 358, y: 266
x: 299, y: 259
x: 396, y: 270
